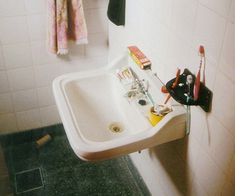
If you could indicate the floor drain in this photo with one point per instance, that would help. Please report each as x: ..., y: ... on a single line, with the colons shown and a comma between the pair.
x: 28, y: 180
x: 116, y: 127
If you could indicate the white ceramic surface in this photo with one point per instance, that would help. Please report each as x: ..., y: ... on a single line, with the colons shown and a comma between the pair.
x: 89, y: 102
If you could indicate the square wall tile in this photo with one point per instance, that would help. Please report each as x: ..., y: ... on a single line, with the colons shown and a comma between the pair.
x: 8, y: 34
x: 176, y: 57
x: 157, y: 44
x: 217, y: 139
x: 46, y: 74
x: 4, y: 84
x: 227, y: 60
x: 96, y: 20
x: 211, y: 70
x: 37, y: 27
x: 231, y: 175
x: 208, y: 174
x: 25, y: 100
x: 98, y: 46
x: 221, y: 7
x: 228, y: 189
x: 84, y: 64
x: 146, y: 7
x: 94, y: 4
x: 45, y: 96
x: 49, y: 116
x: 35, y: 6
x: 196, y: 189
x: 76, y: 51
x: 161, y: 10
x: 2, y: 63
x: 223, y: 105
x: 6, y: 103
x: 41, y: 55
x: 198, y: 123
x: 164, y: 11
x: 21, y: 79
x: 12, y: 8
x: 8, y: 123
x: 232, y: 12
x: 209, y: 31
x: 72, y: 67
x: 18, y: 55
x: 183, y: 18
x: 174, y: 179
x: 28, y: 119
x: 188, y: 149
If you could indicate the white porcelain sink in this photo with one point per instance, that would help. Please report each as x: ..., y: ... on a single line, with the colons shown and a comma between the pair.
x: 101, y: 123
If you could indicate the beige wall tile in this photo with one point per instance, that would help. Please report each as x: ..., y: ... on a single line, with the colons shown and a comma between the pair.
x: 6, y: 105
x: 208, y: 174
x: 8, y: 34
x: 21, y: 78
x: 8, y: 123
x: 49, y: 115
x: 228, y: 189
x: 223, y: 105
x: 196, y: 189
x: 12, y: 8
x: 232, y: 12
x: 18, y: 55
x: 221, y: 7
x: 218, y: 143
x: 26, y: 66
x: 29, y: 119
x: 227, y: 60
x: 207, y: 23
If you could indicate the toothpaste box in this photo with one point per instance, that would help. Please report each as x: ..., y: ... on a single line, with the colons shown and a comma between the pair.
x: 139, y: 57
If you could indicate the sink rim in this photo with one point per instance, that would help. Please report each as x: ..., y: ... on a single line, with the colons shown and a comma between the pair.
x: 96, y: 150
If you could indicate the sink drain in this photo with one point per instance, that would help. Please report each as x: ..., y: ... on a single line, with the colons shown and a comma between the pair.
x: 116, y: 127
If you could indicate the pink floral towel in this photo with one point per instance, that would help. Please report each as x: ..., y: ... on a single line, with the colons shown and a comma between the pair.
x: 65, y: 22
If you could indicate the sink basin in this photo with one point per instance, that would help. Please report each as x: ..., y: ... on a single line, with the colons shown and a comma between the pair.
x: 101, y: 123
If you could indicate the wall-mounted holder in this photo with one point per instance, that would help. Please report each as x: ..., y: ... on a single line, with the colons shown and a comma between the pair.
x: 179, y: 93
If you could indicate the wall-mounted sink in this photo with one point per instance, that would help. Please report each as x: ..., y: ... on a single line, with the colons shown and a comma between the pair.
x: 101, y: 123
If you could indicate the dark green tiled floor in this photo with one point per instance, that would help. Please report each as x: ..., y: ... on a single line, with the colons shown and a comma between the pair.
x: 63, y: 173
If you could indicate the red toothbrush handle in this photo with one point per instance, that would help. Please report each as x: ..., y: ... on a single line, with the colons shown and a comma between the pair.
x: 176, y: 79
x: 196, y: 88
x: 167, y: 98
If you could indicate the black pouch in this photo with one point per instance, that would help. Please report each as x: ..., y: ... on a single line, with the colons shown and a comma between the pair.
x: 116, y: 11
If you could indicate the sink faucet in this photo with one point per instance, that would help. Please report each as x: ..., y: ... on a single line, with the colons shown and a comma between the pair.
x: 141, y: 87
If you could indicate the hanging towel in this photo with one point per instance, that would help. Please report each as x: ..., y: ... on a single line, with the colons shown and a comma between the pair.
x: 65, y: 22
x: 116, y: 11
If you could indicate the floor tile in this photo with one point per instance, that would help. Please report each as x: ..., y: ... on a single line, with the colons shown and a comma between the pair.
x: 63, y: 173
x: 28, y: 180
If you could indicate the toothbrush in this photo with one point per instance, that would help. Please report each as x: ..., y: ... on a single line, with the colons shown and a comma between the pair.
x: 176, y: 79
x: 189, y: 81
x: 173, y: 85
x: 198, y: 77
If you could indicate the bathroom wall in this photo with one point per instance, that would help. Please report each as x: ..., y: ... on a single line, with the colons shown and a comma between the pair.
x: 170, y: 32
x: 27, y: 69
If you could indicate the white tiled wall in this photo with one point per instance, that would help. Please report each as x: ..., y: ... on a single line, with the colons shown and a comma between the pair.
x: 170, y: 32
x: 27, y: 69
